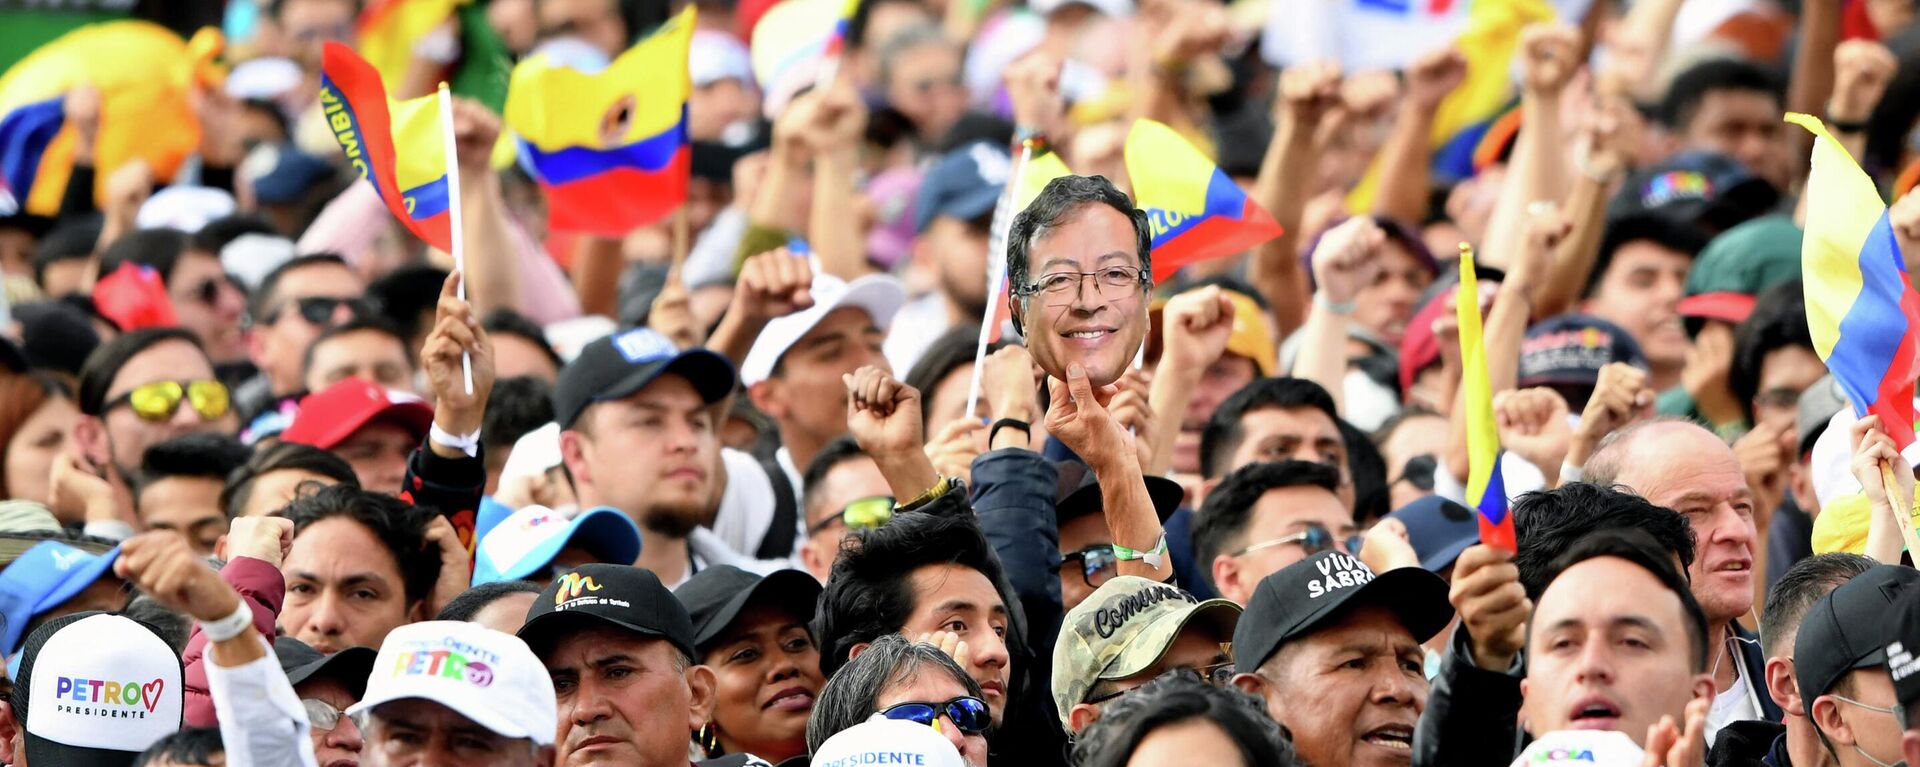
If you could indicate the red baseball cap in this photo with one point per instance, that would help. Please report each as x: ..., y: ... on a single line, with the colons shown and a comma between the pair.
x: 1726, y: 306
x: 331, y: 415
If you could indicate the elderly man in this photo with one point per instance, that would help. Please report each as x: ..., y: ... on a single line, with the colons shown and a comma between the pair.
x: 619, y: 647
x: 1335, y: 651
x: 1681, y: 466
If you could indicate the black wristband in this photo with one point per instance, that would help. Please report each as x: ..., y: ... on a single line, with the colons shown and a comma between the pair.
x: 1008, y: 422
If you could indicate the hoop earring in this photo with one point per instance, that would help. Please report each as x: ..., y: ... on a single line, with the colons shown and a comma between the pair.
x: 708, y: 740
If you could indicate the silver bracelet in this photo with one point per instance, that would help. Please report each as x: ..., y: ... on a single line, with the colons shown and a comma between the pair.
x: 1343, y: 309
x: 240, y: 622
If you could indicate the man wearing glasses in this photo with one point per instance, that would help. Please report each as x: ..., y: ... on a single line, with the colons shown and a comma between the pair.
x: 294, y: 304
x: 141, y: 389
x: 1266, y: 516
x: 846, y: 493
x: 1130, y: 631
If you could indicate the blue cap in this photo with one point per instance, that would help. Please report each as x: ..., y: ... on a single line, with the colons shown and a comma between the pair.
x: 1439, y: 529
x: 528, y: 540
x: 964, y: 184
x: 44, y: 576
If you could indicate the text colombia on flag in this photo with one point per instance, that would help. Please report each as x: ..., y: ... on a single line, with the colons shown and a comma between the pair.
x: 610, y: 148
x: 1195, y: 210
x: 395, y: 145
x: 1861, y: 310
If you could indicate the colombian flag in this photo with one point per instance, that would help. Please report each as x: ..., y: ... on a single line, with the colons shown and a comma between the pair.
x: 1860, y: 308
x: 395, y: 145
x: 388, y: 29
x: 609, y: 148
x: 144, y: 73
x: 1196, y: 212
x: 1486, y: 490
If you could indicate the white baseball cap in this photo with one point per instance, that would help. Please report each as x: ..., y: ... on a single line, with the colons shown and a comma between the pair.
x: 887, y: 741
x: 101, y: 688
x: 185, y: 208
x: 481, y: 674
x: 717, y: 56
x: 879, y: 294
x: 1590, y: 748
x: 529, y: 539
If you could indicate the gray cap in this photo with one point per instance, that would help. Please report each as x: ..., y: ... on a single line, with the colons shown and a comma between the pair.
x: 1817, y: 406
x: 27, y: 517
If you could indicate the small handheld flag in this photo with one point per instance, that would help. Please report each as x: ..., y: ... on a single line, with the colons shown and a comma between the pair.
x: 394, y: 145
x: 454, y: 228
x: 1861, y: 310
x: 1486, y: 490
x: 609, y: 148
x: 1195, y: 210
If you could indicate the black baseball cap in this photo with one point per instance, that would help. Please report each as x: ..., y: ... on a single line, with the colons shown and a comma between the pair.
x: 1848, y: 628
x: 1312, y: 592
x: 1707, y: 190
x: 1078, y: 493
x: 301, y: 662
x: 623, y: 363
x: 616, y: 595
x: 715, y: 596
x: 1901, y: 663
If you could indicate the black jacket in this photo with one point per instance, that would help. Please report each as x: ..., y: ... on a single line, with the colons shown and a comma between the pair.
x: 1750, y: 744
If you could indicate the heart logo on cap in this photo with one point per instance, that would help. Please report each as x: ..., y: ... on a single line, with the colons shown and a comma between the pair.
x: 150, y: 693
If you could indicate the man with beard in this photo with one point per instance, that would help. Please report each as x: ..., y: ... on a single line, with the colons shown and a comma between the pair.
x: 640, y: 435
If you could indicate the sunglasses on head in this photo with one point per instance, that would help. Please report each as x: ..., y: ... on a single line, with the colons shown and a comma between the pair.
x: 863, y: 514
x: 968, y: 713
x: 1096, y: 564
x: 158, y: 401
x: 318, y: 310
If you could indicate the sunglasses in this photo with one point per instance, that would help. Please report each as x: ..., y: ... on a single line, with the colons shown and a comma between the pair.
x: 1418, y: 472
x: 1313, y: 540
x: 318, y: 310
x: 863, y: 514
x: 968, y: 713
x: 158, y: 401
x: 1097, y: 564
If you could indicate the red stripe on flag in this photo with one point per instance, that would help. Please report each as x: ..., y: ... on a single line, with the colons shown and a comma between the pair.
x: 617, y: 201
x: 1215, y: 237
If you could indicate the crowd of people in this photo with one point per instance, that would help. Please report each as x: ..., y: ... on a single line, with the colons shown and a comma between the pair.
x: 748, y: 486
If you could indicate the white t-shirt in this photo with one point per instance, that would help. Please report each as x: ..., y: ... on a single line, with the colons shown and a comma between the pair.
x: 915, y: 327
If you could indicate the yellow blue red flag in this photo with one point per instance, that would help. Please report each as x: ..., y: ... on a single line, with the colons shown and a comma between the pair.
x: 1486, y: 490
x: 610, y: 148
x: 395, y: 145
x: 1195, y: 210
x: 144, y: 73
x: 1861, y: 310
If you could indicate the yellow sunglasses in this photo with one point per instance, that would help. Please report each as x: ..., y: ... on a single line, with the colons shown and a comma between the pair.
x: 158, y: 401
x: 863, y: 514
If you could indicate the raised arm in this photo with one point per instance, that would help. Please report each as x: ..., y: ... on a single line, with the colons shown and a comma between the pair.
x: 771, y: 285
x: 1344, y: 263
x: 1079, y: 416
x: 1406, y: 159
x: 1307, y: 93
x: 1548, y: 57
x: 1194, y: 328
x: 839, y: 123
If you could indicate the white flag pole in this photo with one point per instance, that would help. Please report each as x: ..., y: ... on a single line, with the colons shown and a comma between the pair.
x: 1003, y: 214
x: 453, y: 217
